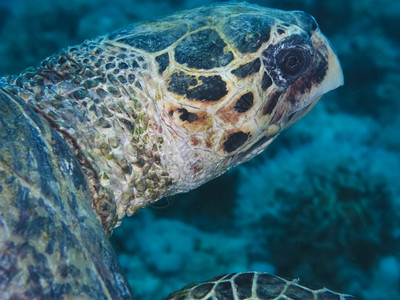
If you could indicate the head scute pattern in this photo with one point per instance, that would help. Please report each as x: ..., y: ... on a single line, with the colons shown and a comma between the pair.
x: 220, y: 82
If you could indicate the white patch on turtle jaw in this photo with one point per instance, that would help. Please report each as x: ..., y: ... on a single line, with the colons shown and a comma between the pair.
x: 334, y: 75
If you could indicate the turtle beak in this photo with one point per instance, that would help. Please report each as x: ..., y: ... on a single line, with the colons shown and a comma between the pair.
x: 334, y: 75
x: 334, y: 78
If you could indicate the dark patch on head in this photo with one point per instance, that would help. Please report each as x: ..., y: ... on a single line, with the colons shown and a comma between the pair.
x: 180, y: 83
x: 248, y: 32
x: 202, y: 290
x: 266, y: 81
x: 212, y: 88
x: 272, y: 101
x: 321, y: 67
x: 203, y: 50
x: 187, y: 116
x: 269, y: 286
x: 223, y: 290
x: 248, y: 69
x: 244, y: 103
x: 244, y: 285
x: 235, y: 140
x: 171, y: 112
x: 163, y: 62
x: 154, y: 41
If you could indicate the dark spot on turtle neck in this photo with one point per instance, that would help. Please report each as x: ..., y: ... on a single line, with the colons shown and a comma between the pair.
x: 235, y: 140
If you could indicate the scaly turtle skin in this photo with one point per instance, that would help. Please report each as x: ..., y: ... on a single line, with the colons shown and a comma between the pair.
x: 101, y: 129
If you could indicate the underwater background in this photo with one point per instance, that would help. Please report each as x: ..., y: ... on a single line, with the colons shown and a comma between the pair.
x: 321, y: 204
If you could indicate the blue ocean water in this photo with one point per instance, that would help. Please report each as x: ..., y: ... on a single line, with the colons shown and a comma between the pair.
x: 321, y: 204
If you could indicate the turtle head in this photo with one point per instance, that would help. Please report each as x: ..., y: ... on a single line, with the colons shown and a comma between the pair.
x: 237, y: 81
x: 298, y: 67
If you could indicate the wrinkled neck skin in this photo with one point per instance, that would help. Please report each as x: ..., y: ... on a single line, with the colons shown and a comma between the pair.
x: 106, y: 105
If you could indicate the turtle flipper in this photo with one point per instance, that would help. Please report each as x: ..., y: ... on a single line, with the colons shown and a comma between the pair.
x: 51, y: 242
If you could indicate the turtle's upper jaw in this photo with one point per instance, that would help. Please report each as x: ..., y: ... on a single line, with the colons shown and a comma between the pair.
x: 334, y: 77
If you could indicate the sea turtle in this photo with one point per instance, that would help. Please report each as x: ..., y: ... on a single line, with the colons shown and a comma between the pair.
x: 102, y: 129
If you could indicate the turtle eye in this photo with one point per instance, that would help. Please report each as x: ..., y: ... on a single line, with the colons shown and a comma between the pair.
x: 293, y: 62
x: 288, y: 59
